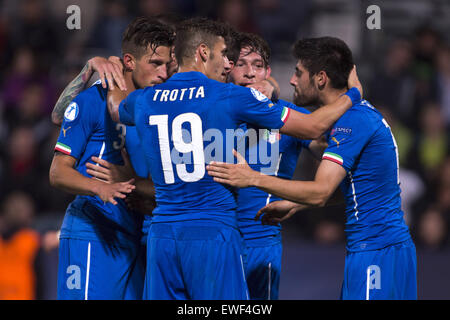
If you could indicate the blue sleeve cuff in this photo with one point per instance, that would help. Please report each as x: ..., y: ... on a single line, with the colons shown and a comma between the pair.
x: 354, y: 95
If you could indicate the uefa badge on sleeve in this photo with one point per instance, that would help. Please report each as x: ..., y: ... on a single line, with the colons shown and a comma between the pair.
x: 71, y: 112
x: 258, y: 95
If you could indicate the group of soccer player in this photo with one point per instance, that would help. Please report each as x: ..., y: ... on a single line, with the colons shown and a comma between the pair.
x: 148, y: 223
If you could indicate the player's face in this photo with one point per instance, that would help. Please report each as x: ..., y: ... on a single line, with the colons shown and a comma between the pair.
x: 305, y: 92
x: 172, y: 67
x: 218, y: 62
x: 250, y: 68
x: 152, y: 67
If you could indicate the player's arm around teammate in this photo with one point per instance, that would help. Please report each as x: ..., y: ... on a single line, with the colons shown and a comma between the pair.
x: 110, y: 72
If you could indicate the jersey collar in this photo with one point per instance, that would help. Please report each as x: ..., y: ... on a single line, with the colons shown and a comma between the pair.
x: 190, y: 75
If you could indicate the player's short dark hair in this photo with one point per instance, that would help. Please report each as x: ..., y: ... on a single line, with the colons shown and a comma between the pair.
x: 327, y: 54
x: 193, y: 32
x: 256, y: 44
x: 143, y: 32
x: 233, y: 49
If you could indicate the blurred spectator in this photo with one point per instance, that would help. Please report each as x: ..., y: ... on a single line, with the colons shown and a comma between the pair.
x: 151, y: 8
x: 237, y: 14
x: 19, y: 245
x: 431, y: 147
x: 443, y: 81
x: 35, y: 29
x: 22, y: 169
x: 392, y: 85
x: 426, y: 43
x: 106, y: 37
x: 433, y: 229
x: 280, y: 22
x: 22, y: 74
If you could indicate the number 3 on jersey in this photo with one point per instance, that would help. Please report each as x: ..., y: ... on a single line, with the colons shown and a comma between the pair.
x: 195, y: 146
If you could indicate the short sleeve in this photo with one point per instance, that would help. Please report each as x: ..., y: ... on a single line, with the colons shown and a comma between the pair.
x: 77, y: 126
x: 251, y: 106
x: 347, y: 139
x: 128, y: 106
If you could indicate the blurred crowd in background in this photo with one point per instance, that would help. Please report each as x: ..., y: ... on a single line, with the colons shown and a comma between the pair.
x: 404, y: 68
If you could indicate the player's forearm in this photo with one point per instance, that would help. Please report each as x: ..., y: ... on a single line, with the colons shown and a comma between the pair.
x: 70, y: 180
x: 115, y: 97
x: 309, y: 193
x: 70, y: 92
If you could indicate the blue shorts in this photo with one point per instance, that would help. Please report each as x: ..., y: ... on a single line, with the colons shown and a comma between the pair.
x: 94, y: 270
x: 263, y: 269
x: 194, y: 260
x: 386, y: 274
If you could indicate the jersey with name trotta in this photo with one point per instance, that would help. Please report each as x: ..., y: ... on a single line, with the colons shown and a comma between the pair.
x: 184, y: 122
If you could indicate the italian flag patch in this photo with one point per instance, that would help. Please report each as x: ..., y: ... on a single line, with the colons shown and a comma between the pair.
x: 333, y: 157
x: 63, y: 148
x: 285, y: 114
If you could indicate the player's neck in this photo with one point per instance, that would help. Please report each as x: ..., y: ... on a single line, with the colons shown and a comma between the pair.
x: 129, y: 81
x: 330, y: 95
x: 193, y: 65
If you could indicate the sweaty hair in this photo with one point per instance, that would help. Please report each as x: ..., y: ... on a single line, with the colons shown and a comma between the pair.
x: 143, y: 32
x: 327, y: 54
x: 256, y: 44
x: 193, y: 32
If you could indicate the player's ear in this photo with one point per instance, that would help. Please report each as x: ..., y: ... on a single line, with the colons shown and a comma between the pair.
x: 321, y: 79
x: 269, y: 71
x: 203, y: 52
x: 129, y: 62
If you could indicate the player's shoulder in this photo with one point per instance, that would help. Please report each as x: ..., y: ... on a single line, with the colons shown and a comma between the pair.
x: 95, y: 92
x: 362, y: 114
x: 293, y: 106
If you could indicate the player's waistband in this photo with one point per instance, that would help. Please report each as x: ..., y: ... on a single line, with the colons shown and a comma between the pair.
x: 228, y: 218
x: 195, y: 230
x: 252, y: 241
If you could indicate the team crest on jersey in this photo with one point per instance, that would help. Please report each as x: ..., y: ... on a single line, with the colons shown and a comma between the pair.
x: 258, y: 95
x: 71, y: 112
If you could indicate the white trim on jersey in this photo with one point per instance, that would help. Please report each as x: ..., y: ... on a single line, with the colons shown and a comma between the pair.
x: 354, y: 195
x: 243, y: 274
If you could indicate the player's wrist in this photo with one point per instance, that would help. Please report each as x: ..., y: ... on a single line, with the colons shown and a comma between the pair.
x: 354, y: 94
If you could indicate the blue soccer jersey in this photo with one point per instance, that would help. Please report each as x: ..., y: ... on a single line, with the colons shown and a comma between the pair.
x: 88, y: 130
x: 251, y: 199
x: 94, y: 234
x: 184, y: 123
x: 362, y: 142
x: 137, y: 158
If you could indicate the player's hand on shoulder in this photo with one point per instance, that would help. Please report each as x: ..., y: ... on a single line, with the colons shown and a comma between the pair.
x: 353, y: 81
x: 110, y: 72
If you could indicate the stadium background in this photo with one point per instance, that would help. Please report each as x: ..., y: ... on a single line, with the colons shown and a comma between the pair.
x: 404, y: 68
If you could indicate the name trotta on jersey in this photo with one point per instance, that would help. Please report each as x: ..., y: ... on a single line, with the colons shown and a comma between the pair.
x: 179, y: 94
